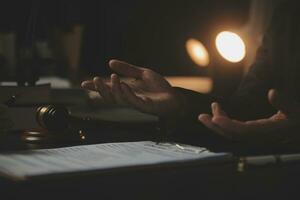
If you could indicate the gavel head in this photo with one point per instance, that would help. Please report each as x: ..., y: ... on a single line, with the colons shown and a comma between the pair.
x: 53, y: 118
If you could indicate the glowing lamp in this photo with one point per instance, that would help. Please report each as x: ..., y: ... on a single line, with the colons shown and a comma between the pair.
x: 231, y: 46
x: 197, y: 52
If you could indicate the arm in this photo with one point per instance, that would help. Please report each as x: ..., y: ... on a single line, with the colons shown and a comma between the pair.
x: 194, y: 103
x: 250, y: 102
x: 267, y: 121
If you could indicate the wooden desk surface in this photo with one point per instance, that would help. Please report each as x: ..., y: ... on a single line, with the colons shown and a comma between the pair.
x: 199, y: 84
x: 208, y: 182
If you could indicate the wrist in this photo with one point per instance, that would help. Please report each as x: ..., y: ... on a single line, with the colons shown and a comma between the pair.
x: 180, y: 105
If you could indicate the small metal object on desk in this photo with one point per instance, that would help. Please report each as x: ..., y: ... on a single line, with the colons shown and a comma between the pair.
x: 11, y: 101
x: 35, y: 137
x: 82, y: 135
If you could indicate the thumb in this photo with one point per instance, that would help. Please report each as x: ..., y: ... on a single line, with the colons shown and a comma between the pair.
x: 126, y: 69
x: 285, y: 104
x: 217, y: 110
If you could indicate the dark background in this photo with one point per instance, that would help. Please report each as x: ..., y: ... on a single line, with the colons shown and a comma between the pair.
x: 149, y: 33
x: 153, y: 33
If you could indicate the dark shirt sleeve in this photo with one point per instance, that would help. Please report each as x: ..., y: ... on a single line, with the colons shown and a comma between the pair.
x: 195, y: 103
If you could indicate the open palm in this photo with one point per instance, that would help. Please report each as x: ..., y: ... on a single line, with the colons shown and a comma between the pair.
x: 144, y: 89
x: 271, y: 130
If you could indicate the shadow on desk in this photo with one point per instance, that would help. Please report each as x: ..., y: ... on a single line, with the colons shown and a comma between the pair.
x: 164, y: 183
x: 197, y: 182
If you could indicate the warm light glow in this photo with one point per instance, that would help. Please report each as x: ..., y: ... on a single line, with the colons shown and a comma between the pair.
x: 231, y: 46
x: 197, y: 52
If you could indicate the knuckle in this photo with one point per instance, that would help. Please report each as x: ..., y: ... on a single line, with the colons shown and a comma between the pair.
x: 147, y: 71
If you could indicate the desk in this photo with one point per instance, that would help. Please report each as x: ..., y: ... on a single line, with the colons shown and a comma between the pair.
x: 207, y: 182
x: 220, y: 181
x: 159, y: 183
x: 198, y: 84
x: 189, y: 182
x: 164, y: 183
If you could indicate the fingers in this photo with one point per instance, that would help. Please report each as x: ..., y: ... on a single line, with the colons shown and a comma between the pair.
x: 284, y: 104
x: 133, y: 99
x: 103, y: 89
x: 126, y: 69
x: 116, y: 90
x: 110, y: 92
x: 268, y: 125
x: 207, y: 121
x: 221, y: 123
x: 217, y: 110
x: 238, y: 130
x: 88, y: 85
x: 229, y: 126
x: 273, y: 97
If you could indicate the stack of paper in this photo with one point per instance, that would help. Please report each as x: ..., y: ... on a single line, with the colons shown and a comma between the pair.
x: 22, y: 165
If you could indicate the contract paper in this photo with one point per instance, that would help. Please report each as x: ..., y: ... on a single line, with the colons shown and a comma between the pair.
x: 26, y: 164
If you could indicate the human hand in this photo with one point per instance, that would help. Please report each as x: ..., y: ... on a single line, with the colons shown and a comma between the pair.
x: 257, y: 130
x: 147, y: 91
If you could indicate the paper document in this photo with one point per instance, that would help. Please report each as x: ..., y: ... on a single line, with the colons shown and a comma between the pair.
x: 21, y: 165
